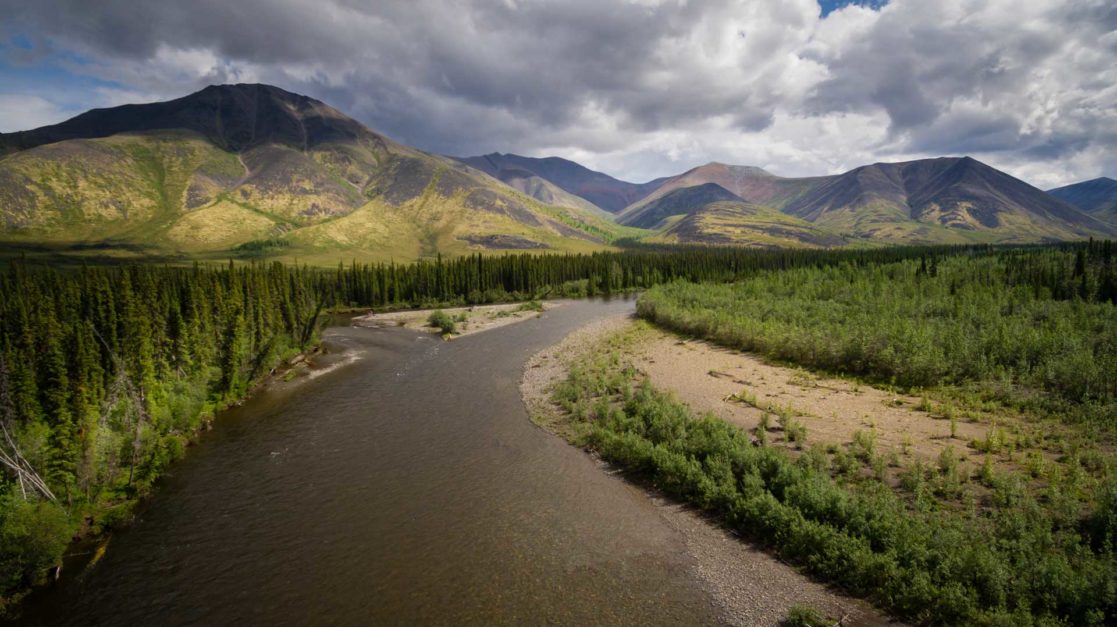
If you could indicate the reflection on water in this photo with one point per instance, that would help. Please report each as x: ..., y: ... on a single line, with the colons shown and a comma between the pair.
x: 403, y: 484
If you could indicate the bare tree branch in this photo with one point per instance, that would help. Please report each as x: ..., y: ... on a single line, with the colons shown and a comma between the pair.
x: 10, y: 455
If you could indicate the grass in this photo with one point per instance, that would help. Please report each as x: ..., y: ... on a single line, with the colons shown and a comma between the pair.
x: 799, y: 615
x: 131, y: 193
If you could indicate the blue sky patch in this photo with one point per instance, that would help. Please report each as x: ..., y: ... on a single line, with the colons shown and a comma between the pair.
x: 829, y: 6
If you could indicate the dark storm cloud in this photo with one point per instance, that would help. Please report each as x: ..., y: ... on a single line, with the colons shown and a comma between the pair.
x: 641, y: 82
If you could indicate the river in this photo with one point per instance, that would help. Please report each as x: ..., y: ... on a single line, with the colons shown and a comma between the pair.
x: 406, y: 485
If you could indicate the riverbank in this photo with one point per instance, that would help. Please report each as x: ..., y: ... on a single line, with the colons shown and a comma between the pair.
x: 892, y: 497
x: 467, y: 320
x: 333, y: 499
x: 750, y: 586
x: 90, y: 540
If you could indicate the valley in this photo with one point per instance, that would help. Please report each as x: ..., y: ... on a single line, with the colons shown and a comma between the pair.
x: 747, y: 313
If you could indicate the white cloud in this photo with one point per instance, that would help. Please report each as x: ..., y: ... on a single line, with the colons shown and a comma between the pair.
x: 643, y: 88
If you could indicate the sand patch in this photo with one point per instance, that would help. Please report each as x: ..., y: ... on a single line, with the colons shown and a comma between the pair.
x: 715, y: 380
x: 477, y: 318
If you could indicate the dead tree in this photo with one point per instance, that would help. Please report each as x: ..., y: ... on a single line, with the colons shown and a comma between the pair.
x: 10, y: 455
x: 123, y: 388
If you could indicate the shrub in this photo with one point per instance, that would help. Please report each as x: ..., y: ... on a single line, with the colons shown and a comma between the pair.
x: 33, y: 535
x: 799, y: 615
x: 440, y: 320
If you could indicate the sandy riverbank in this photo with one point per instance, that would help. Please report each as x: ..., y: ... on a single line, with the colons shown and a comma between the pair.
x: 476, y: 319
x: 712, y: 379
x: 750, y: 586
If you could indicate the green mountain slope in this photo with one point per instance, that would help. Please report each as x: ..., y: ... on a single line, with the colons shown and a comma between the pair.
x: 252, y: 170
x: 740, y: 223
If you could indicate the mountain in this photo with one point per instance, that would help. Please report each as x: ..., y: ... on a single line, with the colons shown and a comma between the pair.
x: 749, y: 183
x: 602, y: 190
x: 711, y: 214
x: 946, y: 200
x: 1097, y: 197
x: 232, y: 117
x: 740, y: 223
x: 254, y: 169
x: 949, y: 199
x: 683, y: 201
x: 542, y: 190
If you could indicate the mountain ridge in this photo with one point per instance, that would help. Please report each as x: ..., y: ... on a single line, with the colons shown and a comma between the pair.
x: 235, y: 117
x: 235, y: 164
x: 916, y: 199
x: 1097, y: 197
x: 603, y: 190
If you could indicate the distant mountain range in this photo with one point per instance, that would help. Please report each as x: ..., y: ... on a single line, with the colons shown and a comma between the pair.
x: 944, y: 200
x: 256, y: 171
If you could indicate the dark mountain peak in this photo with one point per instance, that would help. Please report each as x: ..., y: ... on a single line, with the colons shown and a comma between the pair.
x: 234, y: 117
x: 254, y: 90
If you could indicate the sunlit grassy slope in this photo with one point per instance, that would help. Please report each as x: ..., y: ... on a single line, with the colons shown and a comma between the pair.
x: 175, y: 194
x: 273, y: 175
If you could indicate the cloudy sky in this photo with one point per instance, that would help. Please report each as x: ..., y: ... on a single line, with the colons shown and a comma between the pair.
x: 636, y: 88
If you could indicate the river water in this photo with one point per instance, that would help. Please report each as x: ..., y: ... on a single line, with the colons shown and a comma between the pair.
x: 404, y: 486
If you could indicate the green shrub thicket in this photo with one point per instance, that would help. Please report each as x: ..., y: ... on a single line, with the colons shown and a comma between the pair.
x: 1012, y: 563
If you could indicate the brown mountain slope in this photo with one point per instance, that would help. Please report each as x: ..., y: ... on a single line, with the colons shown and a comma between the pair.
x: 680, y: 202
x: 941, y: 200
x: 739, y: 223
x: 749, y: 183
x: 1097, y: 197
x: 252, y: 167
x: 711, y: 214
x: 602, y: 190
